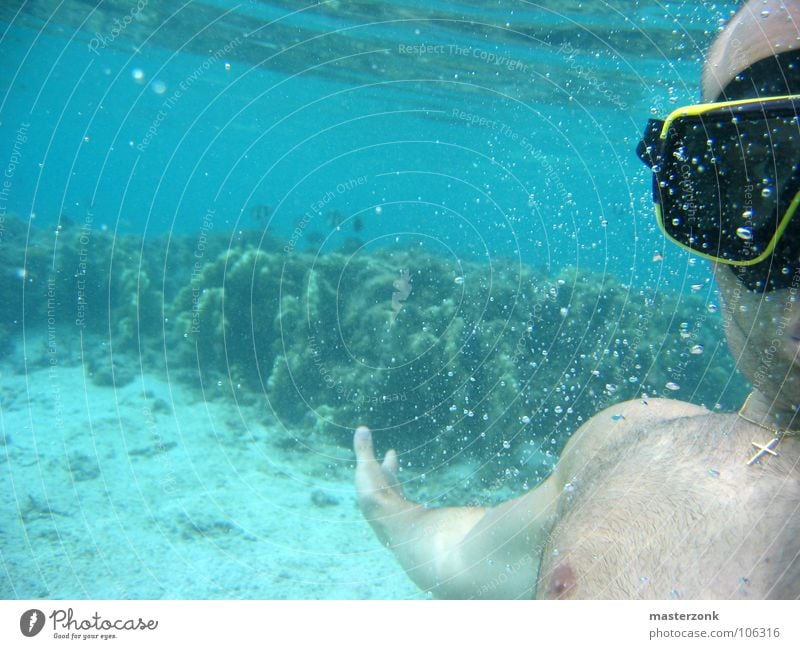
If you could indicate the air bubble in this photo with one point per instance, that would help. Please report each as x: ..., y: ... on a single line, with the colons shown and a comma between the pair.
x: 745, y: 234
x: 672, y: 386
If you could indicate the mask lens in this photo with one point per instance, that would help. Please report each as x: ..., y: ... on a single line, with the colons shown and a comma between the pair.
x: 727, y: 179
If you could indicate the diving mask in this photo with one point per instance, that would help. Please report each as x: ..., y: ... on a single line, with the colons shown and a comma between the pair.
x: 726, y: 179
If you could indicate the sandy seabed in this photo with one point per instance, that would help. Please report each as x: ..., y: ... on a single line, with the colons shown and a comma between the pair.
x: 149, y: 491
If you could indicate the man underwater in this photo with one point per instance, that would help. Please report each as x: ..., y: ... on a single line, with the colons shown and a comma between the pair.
x: 673, y: 500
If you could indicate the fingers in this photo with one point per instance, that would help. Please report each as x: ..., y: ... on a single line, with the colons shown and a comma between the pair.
x: 390, y: 462
x: 390, y: 467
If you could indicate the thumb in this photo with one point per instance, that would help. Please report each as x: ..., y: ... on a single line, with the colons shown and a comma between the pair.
x: 362, y: 445
x: 370, y: 479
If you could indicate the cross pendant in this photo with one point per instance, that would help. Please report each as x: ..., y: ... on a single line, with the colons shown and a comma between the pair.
x: 764, y: 449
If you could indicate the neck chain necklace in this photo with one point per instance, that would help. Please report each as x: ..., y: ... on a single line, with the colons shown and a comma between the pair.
x: 777, y: 435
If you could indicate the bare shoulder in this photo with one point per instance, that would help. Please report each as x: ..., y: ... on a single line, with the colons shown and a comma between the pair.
x: 613, y: 425
x: 663, y: 490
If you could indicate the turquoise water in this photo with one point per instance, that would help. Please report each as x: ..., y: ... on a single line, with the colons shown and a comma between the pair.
x: 277, y: 110
x: 233, y: 231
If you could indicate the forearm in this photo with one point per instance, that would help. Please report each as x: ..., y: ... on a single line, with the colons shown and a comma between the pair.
x: 453, y: 552
x: 478, y: 552
x: 427, y: 542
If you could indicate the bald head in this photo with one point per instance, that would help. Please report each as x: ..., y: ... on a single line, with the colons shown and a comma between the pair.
x: 761, y: 28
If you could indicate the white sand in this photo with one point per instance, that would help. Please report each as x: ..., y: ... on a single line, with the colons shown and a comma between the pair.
x: 107, y: 494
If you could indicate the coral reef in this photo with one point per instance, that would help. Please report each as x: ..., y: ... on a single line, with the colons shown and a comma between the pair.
x: 494, y: 363
x: 450, y: 361
x: 78, y: 278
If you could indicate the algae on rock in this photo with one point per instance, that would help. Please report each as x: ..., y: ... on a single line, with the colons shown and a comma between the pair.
x: 505, y: 362
x: 495, y: 363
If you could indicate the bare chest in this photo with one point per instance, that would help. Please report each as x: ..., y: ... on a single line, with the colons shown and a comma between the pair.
x: 676, y: 513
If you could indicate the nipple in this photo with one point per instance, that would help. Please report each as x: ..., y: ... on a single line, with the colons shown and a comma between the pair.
x: 562, y: 582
